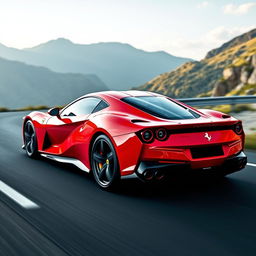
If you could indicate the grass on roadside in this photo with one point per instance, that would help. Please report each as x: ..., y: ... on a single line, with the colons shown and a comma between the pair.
x: 235, y: 109
x: 4, y: 109
x: 31, y: 108
x: 250, y: 141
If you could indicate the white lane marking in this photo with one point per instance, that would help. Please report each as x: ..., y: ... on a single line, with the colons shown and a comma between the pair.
x: 17, y: 197
x: 250, y: 164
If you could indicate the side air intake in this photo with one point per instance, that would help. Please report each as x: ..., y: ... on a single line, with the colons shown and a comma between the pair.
x: 139, y: 121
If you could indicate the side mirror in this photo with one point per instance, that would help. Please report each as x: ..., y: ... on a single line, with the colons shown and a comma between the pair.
x: 54, y: 112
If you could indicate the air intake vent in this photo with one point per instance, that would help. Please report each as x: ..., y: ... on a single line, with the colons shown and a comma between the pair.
x: 138, y: 121
x: 47, y: 142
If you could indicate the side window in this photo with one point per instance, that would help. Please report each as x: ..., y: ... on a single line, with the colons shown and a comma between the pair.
x: 100, y: 106
x: 84, y: 106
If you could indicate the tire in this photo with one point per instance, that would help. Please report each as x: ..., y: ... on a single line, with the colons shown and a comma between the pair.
x: 30, y: 140
x: 104, y: 163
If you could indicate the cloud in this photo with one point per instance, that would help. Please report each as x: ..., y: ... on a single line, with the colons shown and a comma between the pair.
x: 222, y: 34
x: 203, y: 4
x: 197, y: 48
x: 238, y: 9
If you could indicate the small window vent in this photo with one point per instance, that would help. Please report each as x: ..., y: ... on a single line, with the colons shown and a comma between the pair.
x: 226, y: 116
x: 139, y: 121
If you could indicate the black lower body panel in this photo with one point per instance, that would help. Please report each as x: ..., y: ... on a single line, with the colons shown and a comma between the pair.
x: 148, y: 170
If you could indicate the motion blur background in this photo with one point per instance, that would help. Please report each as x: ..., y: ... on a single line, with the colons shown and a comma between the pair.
x: 54, y: 51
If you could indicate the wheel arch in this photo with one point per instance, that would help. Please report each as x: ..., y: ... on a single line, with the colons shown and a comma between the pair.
x: 95, y: 135
x: 25, y: 119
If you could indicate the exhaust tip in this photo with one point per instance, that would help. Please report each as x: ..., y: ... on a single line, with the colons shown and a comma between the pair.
x: 159, y: 175
x: 148, y: 175
x: 153, y: 174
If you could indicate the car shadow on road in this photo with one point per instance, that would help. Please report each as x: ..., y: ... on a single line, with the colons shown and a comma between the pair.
x: 203, y: 188
x: 196, y: 187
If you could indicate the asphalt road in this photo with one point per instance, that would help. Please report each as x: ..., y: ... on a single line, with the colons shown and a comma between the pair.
x: 75, y: 217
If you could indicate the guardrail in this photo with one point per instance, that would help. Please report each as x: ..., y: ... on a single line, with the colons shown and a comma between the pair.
x: 223, y: 100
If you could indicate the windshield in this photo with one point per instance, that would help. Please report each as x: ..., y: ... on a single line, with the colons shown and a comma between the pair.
x: 161, y: 107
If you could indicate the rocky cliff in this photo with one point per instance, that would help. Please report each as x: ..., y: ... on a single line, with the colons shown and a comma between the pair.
x: 238, y: 79
x: 219, y: 73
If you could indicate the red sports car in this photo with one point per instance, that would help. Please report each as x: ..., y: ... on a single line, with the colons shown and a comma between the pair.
x: 135, y: 134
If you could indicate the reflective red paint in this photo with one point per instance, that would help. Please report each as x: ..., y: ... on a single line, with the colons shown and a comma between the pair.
x: 72, y: 136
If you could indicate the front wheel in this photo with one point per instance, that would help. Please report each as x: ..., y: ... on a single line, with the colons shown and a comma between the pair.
x: 104, y: 163
x: 30, y: 140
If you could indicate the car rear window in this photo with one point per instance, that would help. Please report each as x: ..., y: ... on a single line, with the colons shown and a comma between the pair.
x: 161, y: 107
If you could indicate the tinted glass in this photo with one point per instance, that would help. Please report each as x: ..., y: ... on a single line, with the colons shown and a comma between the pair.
x: 161, y: 107
x: 84, y: 106
x: 100, y: 106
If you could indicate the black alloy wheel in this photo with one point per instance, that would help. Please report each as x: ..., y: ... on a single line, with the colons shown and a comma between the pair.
x: 30, y: 140
x: 104, y: 163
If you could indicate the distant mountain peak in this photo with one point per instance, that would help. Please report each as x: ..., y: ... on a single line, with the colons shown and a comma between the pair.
x: 3, y: 46
x: 61, y: 40
x: 118, y: 64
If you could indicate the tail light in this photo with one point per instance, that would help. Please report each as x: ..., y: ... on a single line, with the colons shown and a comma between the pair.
x: 238, y: 128
x: 161, y: 134
x: 147, y: 136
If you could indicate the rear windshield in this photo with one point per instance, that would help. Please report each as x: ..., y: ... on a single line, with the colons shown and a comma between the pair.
x: 161, y: 107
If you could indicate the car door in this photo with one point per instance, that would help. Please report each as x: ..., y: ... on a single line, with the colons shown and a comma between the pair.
x: 59, y: 128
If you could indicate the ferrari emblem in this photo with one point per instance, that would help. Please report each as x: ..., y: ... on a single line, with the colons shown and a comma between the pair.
x: 207, y: 136
x: 107, y: 161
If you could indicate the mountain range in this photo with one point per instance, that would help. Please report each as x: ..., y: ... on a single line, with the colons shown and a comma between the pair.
x: 56, y: 72
x: 23, y: 85
x: 120, y: 66
x: 227, y: 70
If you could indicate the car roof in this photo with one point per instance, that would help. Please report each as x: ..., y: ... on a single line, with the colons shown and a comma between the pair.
x: 122, y: 94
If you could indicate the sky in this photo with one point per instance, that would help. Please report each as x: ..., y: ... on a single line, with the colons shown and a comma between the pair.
x: 187, y: 28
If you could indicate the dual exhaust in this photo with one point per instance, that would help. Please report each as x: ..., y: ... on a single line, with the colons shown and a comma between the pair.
x: 153, y: 174
x: 150, y: 171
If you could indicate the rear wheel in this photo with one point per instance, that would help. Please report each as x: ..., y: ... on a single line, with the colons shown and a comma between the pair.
x: 104, y: 163
x: 30, y: 140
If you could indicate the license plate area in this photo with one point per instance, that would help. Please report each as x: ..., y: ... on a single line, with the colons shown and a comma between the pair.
x: 204, y: 152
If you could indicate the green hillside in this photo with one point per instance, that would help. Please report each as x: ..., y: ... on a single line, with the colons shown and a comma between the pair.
x: 210, y: 75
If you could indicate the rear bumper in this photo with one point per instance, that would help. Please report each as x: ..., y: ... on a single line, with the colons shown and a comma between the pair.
x: 146, y: 169
x: 235, y: 163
